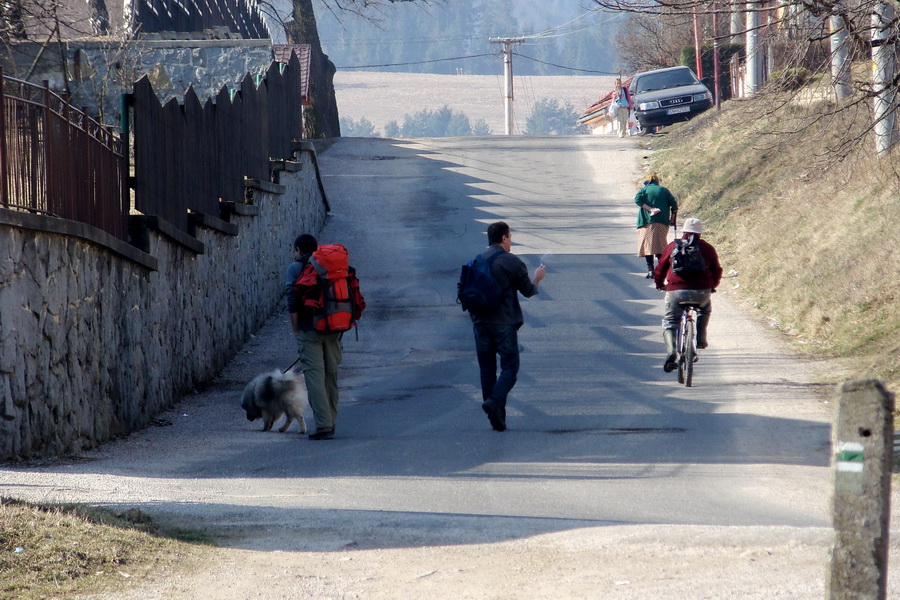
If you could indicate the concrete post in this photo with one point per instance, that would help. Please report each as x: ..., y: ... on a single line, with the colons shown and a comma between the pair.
x: 862, y: 441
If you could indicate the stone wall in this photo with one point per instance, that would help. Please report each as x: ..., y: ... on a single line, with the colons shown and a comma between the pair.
x: 97, y: 72
x: 97, y: 337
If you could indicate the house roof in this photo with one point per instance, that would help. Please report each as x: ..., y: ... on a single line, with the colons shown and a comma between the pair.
x: 282, y: 53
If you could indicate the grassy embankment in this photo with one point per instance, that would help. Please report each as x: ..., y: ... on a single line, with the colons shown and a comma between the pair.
x: 58, y: 551
x: 814, y: 241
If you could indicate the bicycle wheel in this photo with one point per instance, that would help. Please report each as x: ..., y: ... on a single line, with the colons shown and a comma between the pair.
x: 689, y: 353
x: 680, y: 347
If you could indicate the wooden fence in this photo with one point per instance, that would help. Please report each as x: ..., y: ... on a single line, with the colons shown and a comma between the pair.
x: 55, y: 160
x: 188, y: 158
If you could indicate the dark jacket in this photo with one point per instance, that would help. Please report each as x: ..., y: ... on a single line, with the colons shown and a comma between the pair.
x: 293, y: 272
x: 708, y: 280
x: 511, y: 276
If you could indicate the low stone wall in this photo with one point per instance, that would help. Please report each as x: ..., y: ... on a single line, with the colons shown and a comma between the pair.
x: 97, y: 337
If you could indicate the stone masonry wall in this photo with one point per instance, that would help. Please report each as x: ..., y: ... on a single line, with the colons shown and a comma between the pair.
x: 98, y: 72
x: 94, y: 344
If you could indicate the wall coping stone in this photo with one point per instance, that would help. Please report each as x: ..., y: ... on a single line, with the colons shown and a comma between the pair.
x: 238, y: 208
x: 198, y: 219
x: 84, y: 231
x: 160, y: 225
x: 281, y: 164
x: 265, y: 186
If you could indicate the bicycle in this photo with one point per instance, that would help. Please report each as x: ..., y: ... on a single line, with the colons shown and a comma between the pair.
x: 686, y: 343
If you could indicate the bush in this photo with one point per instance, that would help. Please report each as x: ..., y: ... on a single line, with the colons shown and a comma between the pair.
x: 549, y: 118
x: 793, y: 78
x: 361, y: 128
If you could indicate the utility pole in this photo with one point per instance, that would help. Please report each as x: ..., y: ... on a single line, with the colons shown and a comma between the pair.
x: 884, y: 66
x: 840, y: 55
x: 717, y: 87
x: 506, y: 51
x: 754, y: 62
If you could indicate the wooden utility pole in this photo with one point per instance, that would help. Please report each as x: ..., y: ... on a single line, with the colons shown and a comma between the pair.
x: 506, y: 51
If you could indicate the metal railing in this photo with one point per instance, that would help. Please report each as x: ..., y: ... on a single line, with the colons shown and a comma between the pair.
x: 58, y: 161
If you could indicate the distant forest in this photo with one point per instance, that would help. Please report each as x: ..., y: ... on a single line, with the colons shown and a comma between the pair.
x: 563, y: 37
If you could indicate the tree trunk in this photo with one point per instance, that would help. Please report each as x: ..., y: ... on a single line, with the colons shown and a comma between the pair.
x: 324, y: 121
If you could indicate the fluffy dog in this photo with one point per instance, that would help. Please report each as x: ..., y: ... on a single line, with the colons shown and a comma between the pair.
x: 271, y: 395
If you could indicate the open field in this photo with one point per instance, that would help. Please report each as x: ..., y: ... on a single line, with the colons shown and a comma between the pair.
x: 383, y: 97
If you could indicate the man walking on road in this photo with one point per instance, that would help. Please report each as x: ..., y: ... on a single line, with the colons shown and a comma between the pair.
x: 496, y: 332
x: 320, y: 352
x: 692, y: 284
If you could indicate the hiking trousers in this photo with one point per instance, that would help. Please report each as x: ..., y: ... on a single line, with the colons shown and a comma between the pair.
x: 492, y: 340
x: 674, y: 298
x: 320, y: 356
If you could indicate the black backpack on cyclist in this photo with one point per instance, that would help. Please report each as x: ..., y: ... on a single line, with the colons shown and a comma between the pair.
x: 687, y: 260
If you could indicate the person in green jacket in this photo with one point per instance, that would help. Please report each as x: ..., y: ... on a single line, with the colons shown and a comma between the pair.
x: 658, y: 209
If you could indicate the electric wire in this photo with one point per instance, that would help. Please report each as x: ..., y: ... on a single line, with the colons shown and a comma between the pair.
x: 544, y: 62
x: 418, y: 62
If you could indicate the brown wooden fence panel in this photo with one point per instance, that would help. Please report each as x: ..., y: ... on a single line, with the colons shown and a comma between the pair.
x: 188, y: 158
x: 56, y: 160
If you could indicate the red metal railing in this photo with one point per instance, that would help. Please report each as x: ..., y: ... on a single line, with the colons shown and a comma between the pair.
x: 56, y: 160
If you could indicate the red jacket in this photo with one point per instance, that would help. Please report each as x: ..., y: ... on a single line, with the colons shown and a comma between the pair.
x: 708, y: 280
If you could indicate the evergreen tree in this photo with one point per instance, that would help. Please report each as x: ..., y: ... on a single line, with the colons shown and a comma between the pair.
x: 548, y: 117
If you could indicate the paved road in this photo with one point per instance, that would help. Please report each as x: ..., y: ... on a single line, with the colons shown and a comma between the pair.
x: 604, y: 452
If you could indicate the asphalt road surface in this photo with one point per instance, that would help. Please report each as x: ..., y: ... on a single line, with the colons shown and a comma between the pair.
x: 612, y: 480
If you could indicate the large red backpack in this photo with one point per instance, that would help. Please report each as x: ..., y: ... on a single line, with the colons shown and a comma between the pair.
x: 328, y: 288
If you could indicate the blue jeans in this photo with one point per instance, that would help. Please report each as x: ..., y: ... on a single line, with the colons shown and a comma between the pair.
x: 491, y: 340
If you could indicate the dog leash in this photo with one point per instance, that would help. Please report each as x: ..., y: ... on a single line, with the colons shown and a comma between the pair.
x: 292, y: 366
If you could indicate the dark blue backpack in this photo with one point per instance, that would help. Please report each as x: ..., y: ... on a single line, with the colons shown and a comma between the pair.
x: 476, y: 290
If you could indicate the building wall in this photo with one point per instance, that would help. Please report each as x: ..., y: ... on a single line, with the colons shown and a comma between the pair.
x: 97, y: 73
x: 97, y: 337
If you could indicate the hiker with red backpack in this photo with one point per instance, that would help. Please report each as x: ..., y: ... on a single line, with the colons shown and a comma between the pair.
x: 324, y: 301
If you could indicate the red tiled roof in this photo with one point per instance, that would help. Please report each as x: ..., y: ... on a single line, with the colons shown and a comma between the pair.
x: 282, y: 53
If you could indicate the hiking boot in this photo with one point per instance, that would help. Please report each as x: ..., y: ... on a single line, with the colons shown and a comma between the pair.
x: 669, y: 338
x: 702, y: 324
x: 495, y: 414
x: 322, y: 434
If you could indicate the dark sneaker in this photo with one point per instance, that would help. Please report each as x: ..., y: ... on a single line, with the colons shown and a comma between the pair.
x: 702, y: 345
x: 496, y: 415
x: 670, y: 364
x: 649, y: 275
x: 322, y: 434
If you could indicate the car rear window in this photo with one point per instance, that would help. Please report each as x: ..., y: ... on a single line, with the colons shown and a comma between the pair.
x: 664, y: 81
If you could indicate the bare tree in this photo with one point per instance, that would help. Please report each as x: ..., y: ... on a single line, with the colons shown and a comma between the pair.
x: 796, y: 38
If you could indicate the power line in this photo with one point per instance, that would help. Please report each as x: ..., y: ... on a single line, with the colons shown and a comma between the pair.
x: 418, y: 62
x: 544, y: 62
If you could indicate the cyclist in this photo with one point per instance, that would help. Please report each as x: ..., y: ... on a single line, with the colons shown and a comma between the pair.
x: 691, y: 288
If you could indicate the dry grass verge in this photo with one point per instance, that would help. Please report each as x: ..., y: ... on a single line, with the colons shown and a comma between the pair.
x: 814, y: 240
x: 57, y: 551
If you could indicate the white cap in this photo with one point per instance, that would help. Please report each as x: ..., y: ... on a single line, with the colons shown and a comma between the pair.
x: 692, y: 226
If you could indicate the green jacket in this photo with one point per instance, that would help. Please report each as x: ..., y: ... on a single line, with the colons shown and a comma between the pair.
x: 656, y: 196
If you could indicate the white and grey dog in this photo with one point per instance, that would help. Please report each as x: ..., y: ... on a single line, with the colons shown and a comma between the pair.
x: 271, y: 395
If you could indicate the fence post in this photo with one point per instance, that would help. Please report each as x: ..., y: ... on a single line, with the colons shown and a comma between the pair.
x: 4, y: 157
x: 862, y: 442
